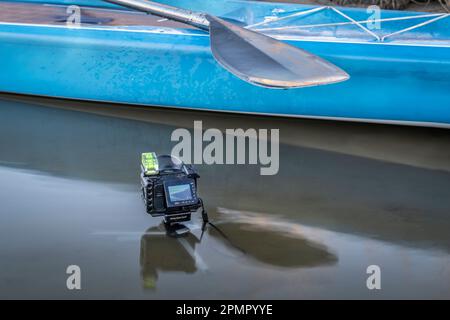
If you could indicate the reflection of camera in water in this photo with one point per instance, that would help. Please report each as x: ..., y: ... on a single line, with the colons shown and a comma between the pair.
x: 169, y: 187
x: 162, y: 254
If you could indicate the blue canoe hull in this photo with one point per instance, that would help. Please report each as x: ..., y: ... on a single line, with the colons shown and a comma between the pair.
x: 389, y: 82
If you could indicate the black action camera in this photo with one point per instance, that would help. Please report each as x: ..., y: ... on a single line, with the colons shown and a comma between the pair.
x: 169, y: 187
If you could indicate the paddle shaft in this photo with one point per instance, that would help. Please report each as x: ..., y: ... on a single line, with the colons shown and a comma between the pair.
x: 177, y: 14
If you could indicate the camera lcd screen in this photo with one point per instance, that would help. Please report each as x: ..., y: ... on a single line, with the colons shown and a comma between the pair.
x: 181, y: 192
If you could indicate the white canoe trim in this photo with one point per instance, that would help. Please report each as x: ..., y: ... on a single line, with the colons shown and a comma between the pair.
x: 186, y: 32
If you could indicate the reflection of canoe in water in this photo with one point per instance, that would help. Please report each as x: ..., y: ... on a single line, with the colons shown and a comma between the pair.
x: 398, y: 73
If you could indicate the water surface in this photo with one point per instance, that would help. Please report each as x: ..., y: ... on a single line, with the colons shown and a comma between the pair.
x: 347, y: 196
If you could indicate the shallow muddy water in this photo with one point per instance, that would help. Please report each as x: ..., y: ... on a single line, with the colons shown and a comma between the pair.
x: 346, y: 196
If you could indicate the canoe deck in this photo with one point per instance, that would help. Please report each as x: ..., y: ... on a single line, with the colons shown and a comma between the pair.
x: 283, y: 22
x: 29, y: 13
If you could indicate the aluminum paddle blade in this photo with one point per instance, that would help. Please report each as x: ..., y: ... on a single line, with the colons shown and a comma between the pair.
x: 267, y: 62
